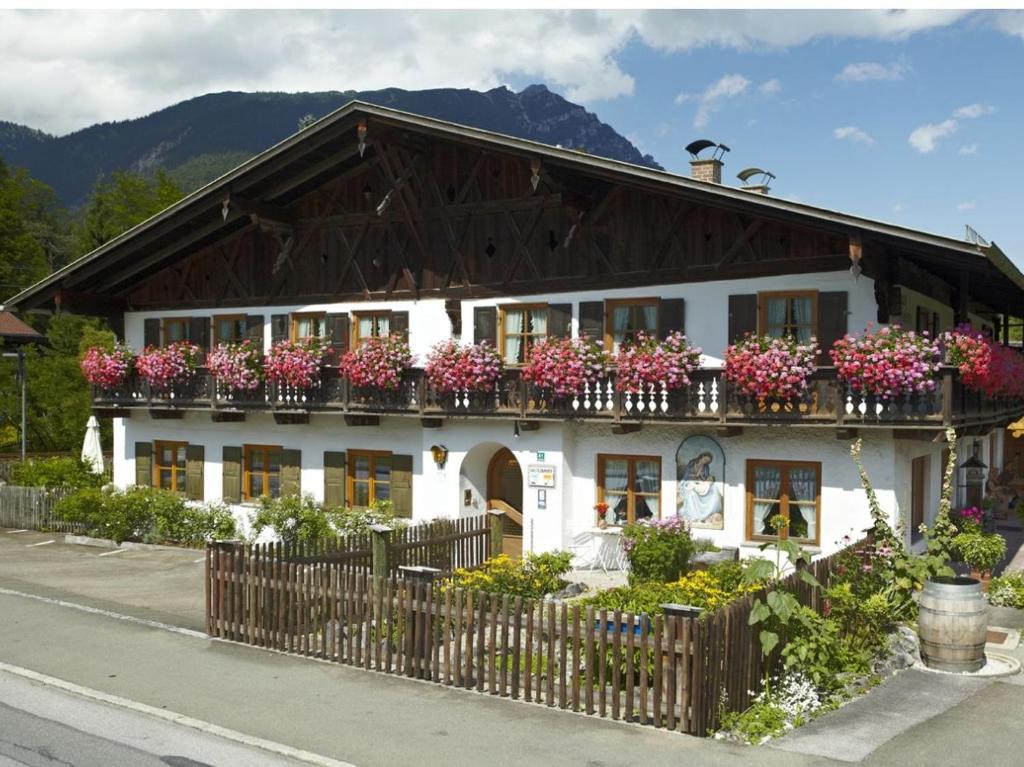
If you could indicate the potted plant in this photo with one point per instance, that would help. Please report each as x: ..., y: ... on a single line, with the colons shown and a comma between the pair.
x: 969, y: 519
x: 565, y: 367
x: 981, y: 552
x: 887, y: 363
x: 645, y: 364
x: 377, y: 363
x: 236, y: 367
x: 764, y: 368
x: 294, y: 364
x: 453, y: 369
x: 163, y: 367
x: 602, y: 514
x: 107, y: 368
x: 984, y: 366
x: 658, y: 550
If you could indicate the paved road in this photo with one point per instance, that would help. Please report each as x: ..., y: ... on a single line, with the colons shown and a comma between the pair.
x: 43, y: 727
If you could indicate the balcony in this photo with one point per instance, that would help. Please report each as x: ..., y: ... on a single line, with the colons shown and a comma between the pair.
x: 708, y: 399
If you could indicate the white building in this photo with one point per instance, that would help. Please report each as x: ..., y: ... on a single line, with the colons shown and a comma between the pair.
x: 375, y: 221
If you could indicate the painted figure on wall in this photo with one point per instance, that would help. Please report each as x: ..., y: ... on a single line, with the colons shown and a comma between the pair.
x: 700, y: 478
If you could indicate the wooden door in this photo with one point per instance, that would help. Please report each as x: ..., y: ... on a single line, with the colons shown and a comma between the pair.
x: 505, y: 493
x: 918, y: 490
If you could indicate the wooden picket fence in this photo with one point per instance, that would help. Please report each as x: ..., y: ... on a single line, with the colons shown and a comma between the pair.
x: 666, y: 671
x: 31, y: 508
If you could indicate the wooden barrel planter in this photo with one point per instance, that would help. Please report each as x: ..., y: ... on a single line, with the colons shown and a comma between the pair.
x: 952, y: 623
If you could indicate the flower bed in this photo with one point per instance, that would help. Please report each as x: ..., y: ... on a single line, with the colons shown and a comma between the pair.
x: 107, y: 368
x: 236, y: 366
x: 646, y: 363
x: 565, y: 367
x: 770, y: 368
x: 887, y: 363
x: 377, y: 362
x: 294, y: 363
x: 453, y: 368
x: 165, y: 366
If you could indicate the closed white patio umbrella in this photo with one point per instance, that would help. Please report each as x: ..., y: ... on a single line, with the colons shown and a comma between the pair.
x: 92, y: 452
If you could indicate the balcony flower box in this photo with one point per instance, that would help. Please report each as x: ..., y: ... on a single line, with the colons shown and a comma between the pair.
x: 237, y: 368
x: 107, y: 369
x: 377, y: 363
x: 984, y: 365
x: 166, y: 369
x: 771, y: 371
x: 646, y: 364
x: 293, y: 370
x: 565, y: 367
x: 460, y: 374
x: 887, y: 363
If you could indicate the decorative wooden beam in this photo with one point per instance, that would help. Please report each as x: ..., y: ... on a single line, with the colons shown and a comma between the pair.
x: 260, y: 212
x: 227, y: 416
x: 743, y: 241
x: 284, y: 418
x: 88, y: 303
x: 529, y: 425
x: 166, y: 414
x: 626, y: 428
x: 431, y: 423
x: 675, y: 219
x: 352, y: 419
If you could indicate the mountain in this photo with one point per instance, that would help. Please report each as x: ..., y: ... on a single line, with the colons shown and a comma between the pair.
x: 199, y: 139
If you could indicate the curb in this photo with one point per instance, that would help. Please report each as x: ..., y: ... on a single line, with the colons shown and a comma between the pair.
x: 106, y: 543
x: 170, y: 716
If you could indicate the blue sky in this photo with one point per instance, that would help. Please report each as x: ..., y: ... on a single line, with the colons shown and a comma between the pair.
x: 921, y: 130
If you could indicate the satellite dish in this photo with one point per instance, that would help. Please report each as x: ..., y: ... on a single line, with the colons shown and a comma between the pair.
x: 698, y: 146
x: 748, y: 173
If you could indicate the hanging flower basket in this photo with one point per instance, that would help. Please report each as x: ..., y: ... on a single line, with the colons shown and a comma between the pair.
x: 887, y: 363
x: 452, y: 368
x: 294, y: 363
x: 766, y: 368
x: 163, y: 367
x: 237, y: 367
x: 565, y: 367
x: 984, y: 365
x: 377, y: 363
x: 645, y: 363
x: 107, y: 368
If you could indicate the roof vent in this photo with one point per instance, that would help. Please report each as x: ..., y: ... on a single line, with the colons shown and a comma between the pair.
x: 709, y: 167
x: 755, y: 180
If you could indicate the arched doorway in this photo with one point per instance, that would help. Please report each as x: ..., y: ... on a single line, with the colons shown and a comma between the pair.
x: 505, y: 493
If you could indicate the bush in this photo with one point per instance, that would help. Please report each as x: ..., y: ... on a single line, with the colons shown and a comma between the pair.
x: 193, y: 525
x: 60, y: 471
x: 708, y: 589
x: 531, y: 577
x: 862, y: 622
x: 1007, y: 590
x: 817, y: 649
x: 658, y: 551
x: 981, y: 551
x: 293, y: 519
x: 355, y: 521
x: 83, y: 508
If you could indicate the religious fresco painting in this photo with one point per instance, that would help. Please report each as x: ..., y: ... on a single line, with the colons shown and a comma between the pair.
x: 700, y: 482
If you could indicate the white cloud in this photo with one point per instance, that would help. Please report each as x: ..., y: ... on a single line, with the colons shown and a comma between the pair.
x: 770, y: 87
x: 724, y: 88
x: 925, y: 138
x: 67, y: 69
x: 854, y: 134
x: 968, y: 149
x: 897, y: 208
x: 967, y: 205
x: 972, y: 111
x: 872, y: 70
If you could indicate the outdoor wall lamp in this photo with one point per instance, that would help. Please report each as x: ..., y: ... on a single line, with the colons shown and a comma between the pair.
x: 439, y: 454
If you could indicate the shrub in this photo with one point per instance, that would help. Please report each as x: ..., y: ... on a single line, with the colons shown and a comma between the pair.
x: 818, y: 650
x: 786, y: 702
x: 708, y: 589
x: 1007, y: 590
x: 862, y: 622
x: 659, y: 550
x: 84, y: 507
x: 355, y: 521
x: 193, y: 525
x: 293, y: 519
x: 60, y: 471
x: 531, y: 577
x: 982, y: 551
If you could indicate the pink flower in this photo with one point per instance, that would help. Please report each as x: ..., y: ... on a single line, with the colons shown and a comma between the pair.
x: 564, y: 367
x: 294, y: 363
x: 453, y: 368
x: 770, y: 368
x: 236, y: 366
x: 377, y: 362
x: 161, y: 367
x: 107, y: 369
x: 888, y: 362
x: 645, y: 362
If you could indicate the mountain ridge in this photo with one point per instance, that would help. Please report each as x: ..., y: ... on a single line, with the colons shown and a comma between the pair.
x: 200, y: 138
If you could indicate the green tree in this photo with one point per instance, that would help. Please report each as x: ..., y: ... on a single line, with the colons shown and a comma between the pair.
x: 23, y: 231
x: 117, y: 203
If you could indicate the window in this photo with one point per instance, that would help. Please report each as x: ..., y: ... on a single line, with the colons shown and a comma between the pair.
x: 625, y: 318
x: 372, y: 325
x: 229, y: 329
x: 630, y: 485
x: 176, y: 329
x: 262, y: 472
x: 169, y: 466
x: 790, y: 489
x: 308, y: 326
x: 369, y: 477
x: 521, y: 327
x: 789, y: 315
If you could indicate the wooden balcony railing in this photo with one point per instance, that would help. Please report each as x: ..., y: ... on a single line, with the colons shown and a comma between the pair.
x: 708, y: 398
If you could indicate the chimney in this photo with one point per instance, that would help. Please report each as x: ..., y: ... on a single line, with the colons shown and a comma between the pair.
x: 707, y: 169
x: 757, y: 185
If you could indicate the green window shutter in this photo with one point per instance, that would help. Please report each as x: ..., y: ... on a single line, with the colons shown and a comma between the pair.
x: 231, y: 469
x: 592, y: 320
x: 671, y: 316
x: 291, y: 472
x: 832, y: 322
x: 485, y: 325
x: 335, y: 479
x: 338, y: 331
x: 151, y: 332
x: 199, y: 332
x: 278, y: 328
x: 401, y: 485
x: 560, y: 320
x: 144, y: 464
x: 195, y: 457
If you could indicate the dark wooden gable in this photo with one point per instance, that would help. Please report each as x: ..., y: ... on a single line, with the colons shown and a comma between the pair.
x: 422, y: 216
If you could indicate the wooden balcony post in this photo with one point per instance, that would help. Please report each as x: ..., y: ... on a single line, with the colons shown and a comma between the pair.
x: 947, y: 396
x: 523, y: 394
x: 723, y: 397
x: 421, y: 393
